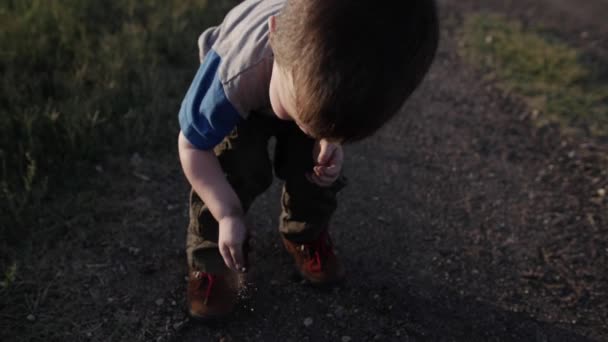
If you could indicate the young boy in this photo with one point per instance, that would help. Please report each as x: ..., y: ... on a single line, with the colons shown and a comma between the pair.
x: 315, y: 74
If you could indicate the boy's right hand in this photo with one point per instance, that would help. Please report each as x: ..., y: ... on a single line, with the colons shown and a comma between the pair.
x: 232, y: 235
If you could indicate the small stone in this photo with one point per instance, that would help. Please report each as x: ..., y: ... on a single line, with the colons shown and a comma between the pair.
x: 489, y: 39
x: 308, y: 321
x: 339, y: 312
x: 535, y: 114
x: 178, y: 325
x: 601, y: 192
x: 135, y: 159
x: 159, y: 301
x: 376, y: 296
x: 134, y: 251
x: 346, y: 338
x: 31, y: 317
x: 98, y: 168
x: 173, y: 303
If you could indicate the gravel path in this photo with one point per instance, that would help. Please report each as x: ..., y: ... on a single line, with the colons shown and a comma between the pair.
x: 463, y: 222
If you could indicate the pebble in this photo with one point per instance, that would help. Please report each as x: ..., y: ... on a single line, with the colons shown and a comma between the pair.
x: 31, y: 317
x: 134, y: 251
x: 308, y: 321
x: 159, y: 301
x: 339, y: 312
x: 346, y: 338
x: 136, y: 159
x: 601, y: 192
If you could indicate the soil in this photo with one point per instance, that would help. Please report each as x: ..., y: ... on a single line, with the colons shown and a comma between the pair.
x: 463, y: 221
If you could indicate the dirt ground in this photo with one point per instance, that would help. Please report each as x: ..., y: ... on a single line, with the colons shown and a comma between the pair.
x: 462, y: 222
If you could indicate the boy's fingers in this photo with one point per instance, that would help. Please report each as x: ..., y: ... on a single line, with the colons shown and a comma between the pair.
x: 331, y: 170
x: 237, y: 256
x: 225, y: 252
x: 327, y: 180
x: 322, y: 180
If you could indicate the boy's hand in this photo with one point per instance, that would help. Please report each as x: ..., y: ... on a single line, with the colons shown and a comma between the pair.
x: 232, y: 235
x: 328, y: 159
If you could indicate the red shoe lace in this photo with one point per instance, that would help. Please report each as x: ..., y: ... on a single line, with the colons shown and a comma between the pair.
x: 319, y: 251
x: 202, y: 276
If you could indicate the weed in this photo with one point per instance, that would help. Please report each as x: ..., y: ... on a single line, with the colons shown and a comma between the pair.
x: 83, y: 80
x: 549, y: 74
x: 9, y: 276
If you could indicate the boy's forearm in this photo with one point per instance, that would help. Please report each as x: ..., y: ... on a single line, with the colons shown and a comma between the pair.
x: 203, y: 171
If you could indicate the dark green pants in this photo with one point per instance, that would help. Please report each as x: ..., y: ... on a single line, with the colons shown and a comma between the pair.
x: 243, y: 155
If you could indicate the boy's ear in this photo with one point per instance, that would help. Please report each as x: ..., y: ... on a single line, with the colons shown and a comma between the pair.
x: 272, y: 25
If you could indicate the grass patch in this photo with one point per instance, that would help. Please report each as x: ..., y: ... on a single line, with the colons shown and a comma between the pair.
x: 82, y: 80
x: 549, y: 74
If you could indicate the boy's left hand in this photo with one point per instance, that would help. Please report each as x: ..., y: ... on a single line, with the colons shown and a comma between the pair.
x: 328, y: 159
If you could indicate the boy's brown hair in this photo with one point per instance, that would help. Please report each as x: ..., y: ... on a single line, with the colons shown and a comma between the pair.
x: 354, y: 62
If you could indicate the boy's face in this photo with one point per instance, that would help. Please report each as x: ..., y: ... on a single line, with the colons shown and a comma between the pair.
x: 282, y: 92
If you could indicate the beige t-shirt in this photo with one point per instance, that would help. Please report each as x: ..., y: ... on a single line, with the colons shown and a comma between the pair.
x: 234, y: 77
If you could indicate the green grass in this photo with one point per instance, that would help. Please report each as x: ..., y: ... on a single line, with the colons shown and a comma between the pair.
x: 548, y: 73
x: 83, y: 80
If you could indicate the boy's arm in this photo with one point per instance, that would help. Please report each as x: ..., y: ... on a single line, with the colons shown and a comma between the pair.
x: 203, y: 171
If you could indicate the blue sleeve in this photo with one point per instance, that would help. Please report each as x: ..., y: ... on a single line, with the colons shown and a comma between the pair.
x: 206, y: 115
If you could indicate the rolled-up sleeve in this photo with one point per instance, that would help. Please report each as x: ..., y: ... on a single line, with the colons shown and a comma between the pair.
x: 206, y: 115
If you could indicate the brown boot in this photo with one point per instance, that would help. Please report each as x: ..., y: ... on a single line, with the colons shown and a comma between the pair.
x: 212, y: 295
x: 316, y: 260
